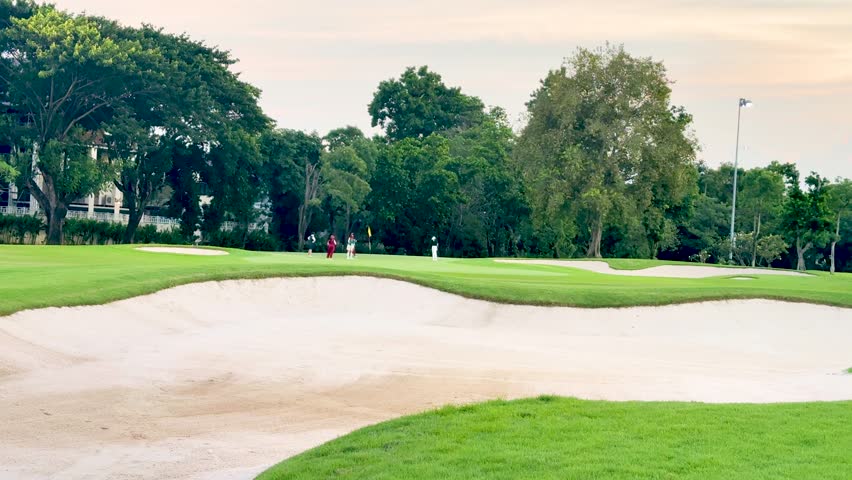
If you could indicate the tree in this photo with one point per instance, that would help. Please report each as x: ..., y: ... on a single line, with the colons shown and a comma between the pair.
x: 349, y: 136
x: 419, y: 104
x: 345, y: 182
x: 602, y: 138
x: 413, y: 192
x: 66, y: 77
x: 234, y: 176
x: 205, y: 105
x: 705, y: 228
x: 762, y: 193
x: 806, y: 216
x: 291, y: 176
x: 840, y: 204
x: 310, y: 200
x: 491, y: 203
x: 770, y: 248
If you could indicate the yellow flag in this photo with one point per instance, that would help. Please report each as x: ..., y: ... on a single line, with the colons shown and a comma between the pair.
x: 369, y: 232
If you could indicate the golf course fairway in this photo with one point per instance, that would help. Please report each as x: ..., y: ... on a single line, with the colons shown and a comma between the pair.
x: 165, y: 365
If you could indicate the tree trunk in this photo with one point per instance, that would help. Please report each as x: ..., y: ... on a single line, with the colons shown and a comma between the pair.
x: 135, y: 210
x: 134, y: 217
x: 54, y: 208
x: 834, y: 243
x: 312, y: 174
x: 800, y: 252
x: 754, y: 240
x: 55, y: 222
x: 348, y: 220
x: 302, y: 226
x: 594, y: 249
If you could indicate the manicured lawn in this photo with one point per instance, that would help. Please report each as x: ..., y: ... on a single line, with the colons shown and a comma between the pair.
x: 42, y: 276
x: 561, y: 438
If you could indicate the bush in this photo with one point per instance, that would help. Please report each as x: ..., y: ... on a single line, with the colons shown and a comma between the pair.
x: 23, y: 229
x: 172, y: 236
x: 225, y: 239
x: 259, y: 240
x: 147, y: 234
x: 92, y: 232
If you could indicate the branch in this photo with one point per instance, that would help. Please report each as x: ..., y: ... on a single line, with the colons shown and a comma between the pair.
x: 37, y: 192
x: 81, y: 117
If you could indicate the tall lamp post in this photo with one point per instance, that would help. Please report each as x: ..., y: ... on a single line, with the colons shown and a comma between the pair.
x: 742, y: 103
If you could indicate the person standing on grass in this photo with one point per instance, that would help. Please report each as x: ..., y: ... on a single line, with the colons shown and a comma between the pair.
x: 350, y: 247
x: 332, y: 244
x: 434, y: 249
x: 312, y: 243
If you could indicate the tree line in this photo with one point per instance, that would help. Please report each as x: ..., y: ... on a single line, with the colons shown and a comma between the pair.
x: 606, y: 165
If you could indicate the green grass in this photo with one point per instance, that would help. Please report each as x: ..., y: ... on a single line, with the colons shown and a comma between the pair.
x: 561, y: 438
x: 849, y: 370
x: 43, y: 276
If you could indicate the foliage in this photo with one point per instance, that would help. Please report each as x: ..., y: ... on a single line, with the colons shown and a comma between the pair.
x: 805, y: 220
x: 67, y: 74
x: 770, y: 248
x: 419, y: 104
x: 20, y: 229
x: 27, y: 229
x: 253, y: 240
x: 91, y: 232
x: 840, y: 205
x: 603, y: 145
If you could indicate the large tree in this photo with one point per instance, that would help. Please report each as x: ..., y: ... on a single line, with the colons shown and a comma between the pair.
x: 413, y: 193
x: 840, y: 205
x: 292, y: 177
x: 205, y: 105
x: 603, y: 139
x: 345, y: 184
x: 492, y: 204
x: 419, y: 104
x: 63, y: 74
x: 762, y: 195
x: 806, y: 219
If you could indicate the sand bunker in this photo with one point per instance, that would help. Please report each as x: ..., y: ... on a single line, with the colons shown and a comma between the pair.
x: 183, y: 250
x: 671, y: 271
x: 221, y: 380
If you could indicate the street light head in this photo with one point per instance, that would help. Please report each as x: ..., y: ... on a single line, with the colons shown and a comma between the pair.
x: 745, y: 103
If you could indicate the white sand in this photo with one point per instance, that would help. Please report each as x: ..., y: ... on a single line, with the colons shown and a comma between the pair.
x: 183, y: 250
x: 220, y: 380
x: 671, y: 271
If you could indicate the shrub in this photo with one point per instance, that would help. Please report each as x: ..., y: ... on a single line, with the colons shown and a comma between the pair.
x: 225, y: 238
x: 261, y: 241
x: 23, y: 229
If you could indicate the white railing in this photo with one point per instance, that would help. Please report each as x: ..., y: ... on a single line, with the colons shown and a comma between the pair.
x: 229, y: 226
x: 159, y: 222
x: 123, y: 218
x: 16, y: 211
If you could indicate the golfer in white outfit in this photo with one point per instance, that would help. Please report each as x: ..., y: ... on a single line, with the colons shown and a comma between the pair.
x: 434, y: 249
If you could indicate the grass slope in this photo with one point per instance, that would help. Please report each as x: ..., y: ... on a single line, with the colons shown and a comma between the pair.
x: 44, y: 276
x: 561, y: 438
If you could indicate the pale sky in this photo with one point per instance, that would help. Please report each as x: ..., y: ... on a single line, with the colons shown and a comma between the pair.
x: 318, y: 63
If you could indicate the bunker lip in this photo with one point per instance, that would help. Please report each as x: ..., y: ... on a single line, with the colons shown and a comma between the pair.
x: 183, y: 251
x: 664, y: 271
x: 222, y: 379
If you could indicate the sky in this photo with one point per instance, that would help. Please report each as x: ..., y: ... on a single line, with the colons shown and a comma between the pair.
x: 319, y: 63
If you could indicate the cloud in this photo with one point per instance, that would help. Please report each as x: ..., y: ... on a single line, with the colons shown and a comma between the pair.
x: 319, y: 62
